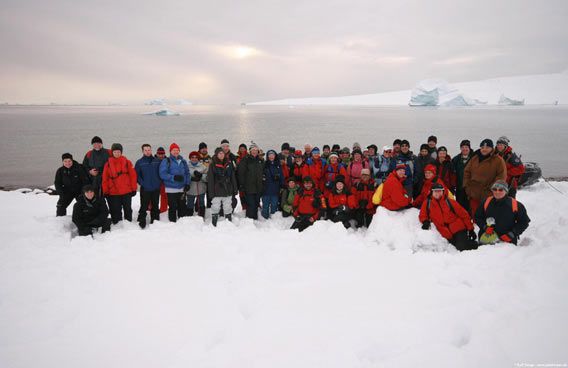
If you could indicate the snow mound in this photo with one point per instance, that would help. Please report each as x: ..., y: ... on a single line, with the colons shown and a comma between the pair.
x: 255, y: 294
x: 163, y: 112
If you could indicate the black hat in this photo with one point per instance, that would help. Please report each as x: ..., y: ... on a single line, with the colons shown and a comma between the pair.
x: 96, y: 139
x: 405, y: 142
x: 424, y: 146
x: 443, y: 148
x: 336, y: 147
x: 291, y: 178
x: 437, y: 186
x: 88, y: 188
x: 433, y: 138
x: 242, y: 145
x: 225, y: 141
x: 373, y: 146
x: 161, y: 150
x: 66, y: 155
x: 396, y: 141
x: 285, y: 146
x: 356, y: 151
x: 308, y: 178
x: 486, y: 142
x: 465, y: 142
x: 217, y: 150
x: 116, y: 147
x: 340, y: 179
x: 325, y: 146
x: 202, y: 145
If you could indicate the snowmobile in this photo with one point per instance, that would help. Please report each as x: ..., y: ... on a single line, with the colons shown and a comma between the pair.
x: 532, y: 173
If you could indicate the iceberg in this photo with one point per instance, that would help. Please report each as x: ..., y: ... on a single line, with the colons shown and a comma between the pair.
x: 157, y: 101
x: 503, y: 100
x: 181, y: 101
x: 438, y: 92
x: 164, y: 112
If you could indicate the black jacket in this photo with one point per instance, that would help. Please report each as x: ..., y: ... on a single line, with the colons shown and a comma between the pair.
x: 89, y: 214
x: 505, y: 219
x: 251, y: 170
x: 71, y: 180
x: 221, y: 180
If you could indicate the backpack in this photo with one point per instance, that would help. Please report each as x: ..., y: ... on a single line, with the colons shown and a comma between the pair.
x: 514, y: 204
x: 430, y: 201
x: 378, y: 196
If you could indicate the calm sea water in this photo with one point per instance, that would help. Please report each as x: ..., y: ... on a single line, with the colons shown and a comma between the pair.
x: 33, y: 138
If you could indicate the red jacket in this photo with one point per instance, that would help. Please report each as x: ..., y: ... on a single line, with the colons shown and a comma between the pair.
x: 363, y: 191
x: 330, y: 172
x: 299, y: 172
x: 394, y: 194
x: 304, y: 203
x: 446, y: 173
x: 119, y: 177
x: 515, y: 167
x: 315, y: 170
x: 335, y: 199
x: 425, y: 192
x: 447, y: 221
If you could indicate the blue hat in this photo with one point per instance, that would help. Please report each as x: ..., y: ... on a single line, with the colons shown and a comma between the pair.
x: 315, y: 150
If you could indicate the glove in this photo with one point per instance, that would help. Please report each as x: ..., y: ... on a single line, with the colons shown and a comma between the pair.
x: 342, y: 208
x: 509, y: 237
x: 197, y: 176
x: 472, y: 235
x: 426, y: 225
x: 363, y: 203
x: 178, y: 178
x: 186, y: 188
x: 317, y: 202
x: 328, y: 184
x: 490, y: 230
x: 133, y: 194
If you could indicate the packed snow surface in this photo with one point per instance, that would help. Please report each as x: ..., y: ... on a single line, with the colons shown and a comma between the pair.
x: 255, y: 294
x: 539, y: 89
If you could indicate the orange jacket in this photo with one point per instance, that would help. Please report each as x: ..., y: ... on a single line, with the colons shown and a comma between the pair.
x: 394, y: 194
x: 447, y: 215
x: 119, y: 177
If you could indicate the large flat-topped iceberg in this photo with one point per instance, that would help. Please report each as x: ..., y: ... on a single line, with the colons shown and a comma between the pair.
x: 438, y: 92
x: 541, y: 89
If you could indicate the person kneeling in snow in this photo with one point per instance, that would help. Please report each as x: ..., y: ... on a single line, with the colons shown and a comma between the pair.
x: 501, y: 217
x: 90, y: 212
x: 395, y: 197
x: 451, y: 220
x: 339, y: 202
x: 307, y: 204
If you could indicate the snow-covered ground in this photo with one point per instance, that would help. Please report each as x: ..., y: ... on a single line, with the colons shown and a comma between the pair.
x: 535, y: 89
x: 258, y: 295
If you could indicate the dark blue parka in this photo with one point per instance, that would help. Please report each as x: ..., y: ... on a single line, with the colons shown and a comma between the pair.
x: 148, y: 173
x: 409, y: 159
x: 273, y: 178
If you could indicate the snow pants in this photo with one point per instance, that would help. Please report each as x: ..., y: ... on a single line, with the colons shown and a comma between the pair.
x: 462, y: 242
x: 64, y: 202
x: 118, y: 203
x: 218, y: 202
x: 269, y: 205
x: 149, y: 198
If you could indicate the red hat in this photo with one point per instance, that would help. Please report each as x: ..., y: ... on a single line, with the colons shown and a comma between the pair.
x: 173, y: 145
x: 194, y: 154
x: 161, y: 150
x: 431, y: 168
x: 298, y: 153
x: 400, y: 166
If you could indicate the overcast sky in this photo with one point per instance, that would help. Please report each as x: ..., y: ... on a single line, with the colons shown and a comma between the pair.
x: 232, y: 51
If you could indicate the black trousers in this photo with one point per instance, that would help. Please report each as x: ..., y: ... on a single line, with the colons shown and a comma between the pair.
x: 253, y: 201
x: 64, y: 201
x: 176, y: 206
x: 88, y: 229
x: 119, y: 203
x: 362, y: 217
x: 301, y: 223
x: 462, y: 199
x: 462, y: 242
x: 149, y: 198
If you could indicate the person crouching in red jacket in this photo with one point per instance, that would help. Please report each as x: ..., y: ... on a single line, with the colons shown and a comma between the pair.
x: 451, y: 220
x: 395, y: 197
x: 338, y: 202
x: 362, y: 199
x: 430, y: 179
x: 119, y: 184
x: 307, y: 205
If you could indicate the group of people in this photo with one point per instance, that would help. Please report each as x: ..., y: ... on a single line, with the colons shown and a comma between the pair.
x: 338, y: 184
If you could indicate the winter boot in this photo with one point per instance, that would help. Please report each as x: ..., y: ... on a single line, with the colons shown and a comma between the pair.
x: 229, y: 217
x: 214, y: 219
x: 201, y: 212
x: 190, y: 212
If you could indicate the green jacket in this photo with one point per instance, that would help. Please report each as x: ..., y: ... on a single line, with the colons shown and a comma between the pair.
x: 287, y: 199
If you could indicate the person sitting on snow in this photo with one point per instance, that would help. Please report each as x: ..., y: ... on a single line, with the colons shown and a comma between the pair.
x: 451, y: 220
x: 501, y: 217
x: 90, y: 212
x: 430, y: 179
x: 515, y: 167
x: 338, y: 202
x: 395, y: 196
x: 287, y: 198
x: 307, y: 205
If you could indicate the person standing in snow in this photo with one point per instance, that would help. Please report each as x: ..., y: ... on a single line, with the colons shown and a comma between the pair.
x: 94, y: 162
x: 483, y: 169
x: 395, y: 197
x: 273, y: 179
x: 119, y: 184
x: 316, y: 167
x: 451, y: 220
x: 69, y: 181
x: 458, y: 163
x: 160, y: 155
x: 515, y: 167
x: 423, y: 159
x: 90, y: 212
x: 445, y: 169
x: 174, y: 172
x: 221, y: 184
x: 250, y: 173
x: 148, y: 176
x: 432, y: 150
x: 381, y: 165
x: 411, y: 164
x: 307, y: 205
x: 501, y: 217
x: 198, y: 186
x: 354, y: 168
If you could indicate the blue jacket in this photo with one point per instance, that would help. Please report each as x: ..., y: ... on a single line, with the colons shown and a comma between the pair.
x: 148, y: 173
x: 273, y: 178
x: 169, y: 167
